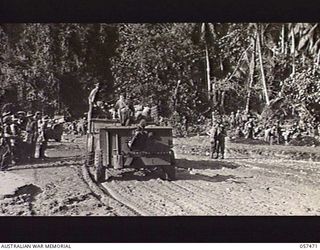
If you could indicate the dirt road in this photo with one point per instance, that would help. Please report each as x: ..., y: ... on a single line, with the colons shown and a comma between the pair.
x: 238, y: 185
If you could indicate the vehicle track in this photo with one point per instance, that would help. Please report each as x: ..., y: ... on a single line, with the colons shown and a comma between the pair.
x: 111, y: 197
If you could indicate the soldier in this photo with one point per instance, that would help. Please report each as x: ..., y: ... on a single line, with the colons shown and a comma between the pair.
x: 155, y: 113
x: 175, y: 119
x: 217, y: 136
x: 31, y: 131
x: 232, y: 120
x: 80, y: 126
x: 249, y: 126
x: 91, y: 99
x: 139, y: 139
x: 41, y: 143
x: 278, y: 132
x: 238, y: 118
x: 239, y: 131
x: 121, y: 108
x: 15, y: 141
x: 267, y: 134
x: 185, y: 124
x: 245, y: 116
x: 37, y: 119
x: 7, y: 132
x: 129, y: 112
x: 146, y: 113
x: 220, y: 137
x: 6, y: 153
x: 212, y: 138
x: 22, y: 120
x: 99, y: 111
x: 274, y: 135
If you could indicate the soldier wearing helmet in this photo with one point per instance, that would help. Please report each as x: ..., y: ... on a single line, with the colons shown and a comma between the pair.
x: 217, y: 136
x: 140, y: 136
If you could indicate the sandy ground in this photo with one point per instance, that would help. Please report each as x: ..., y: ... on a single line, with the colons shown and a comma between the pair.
x: 252, y: 180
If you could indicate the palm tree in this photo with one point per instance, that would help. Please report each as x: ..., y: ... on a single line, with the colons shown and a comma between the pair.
x: 252, y: 65
x: 258, y: 30
x: 263, y: 77
x: 205, y: 32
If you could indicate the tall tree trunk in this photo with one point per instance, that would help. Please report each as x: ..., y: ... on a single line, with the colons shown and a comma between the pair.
x: 293, y: 50
x: 208, y: 72
x: 211, y: 85
x: 282, y: 39
x: 263, y: 78
x: 251, y: 67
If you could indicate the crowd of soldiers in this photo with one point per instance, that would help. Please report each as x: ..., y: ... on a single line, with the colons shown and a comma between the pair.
x: 22, y: 137
x: 128, y: 111
x: 244, y: 125
x: 273, y: 131
x: 77, y: 127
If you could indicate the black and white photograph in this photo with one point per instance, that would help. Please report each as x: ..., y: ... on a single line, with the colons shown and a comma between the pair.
x: 160, y: 119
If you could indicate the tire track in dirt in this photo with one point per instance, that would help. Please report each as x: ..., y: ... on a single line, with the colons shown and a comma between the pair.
x: 216, y: 183
x: 283, y: 193
x: 297, y: 168
x: 207, y: 195
x: 152, y: 200
x: 261, y: 198
x: 249, y: 204
x: 120, y: 201
x: 108, y: 196
x: 168, y: 194
x: 152, y: 195
x: 296, y: 177
x: 294, y: 194
x: 191, y: 200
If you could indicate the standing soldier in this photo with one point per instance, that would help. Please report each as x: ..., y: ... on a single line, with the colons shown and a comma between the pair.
x: 185, y: 124
x: 220, y: 139
x: 130, y: 112
x: 80, y: 126
x: 249, y: 126
x: 221, y: 136
x: 217, y: 136
x: 232, y: 120
x: 37, y: 119
x: 122, y: 108
x: 31, y: 129
x: 91, y: 100
x: 278, y: 131
x: 7, y: 135
x: 213, y: 139
x: 238, y: 118
x: 15, y: 141
x: 41, y: 143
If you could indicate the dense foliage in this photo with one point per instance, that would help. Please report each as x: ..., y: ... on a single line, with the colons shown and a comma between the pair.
x: 190, y: 68
x: 52, y: 67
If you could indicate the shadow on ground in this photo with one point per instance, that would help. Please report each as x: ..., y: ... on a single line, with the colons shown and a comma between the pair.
x: 130, y: 174
x: 184, y: 171
x: 205, y: 164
